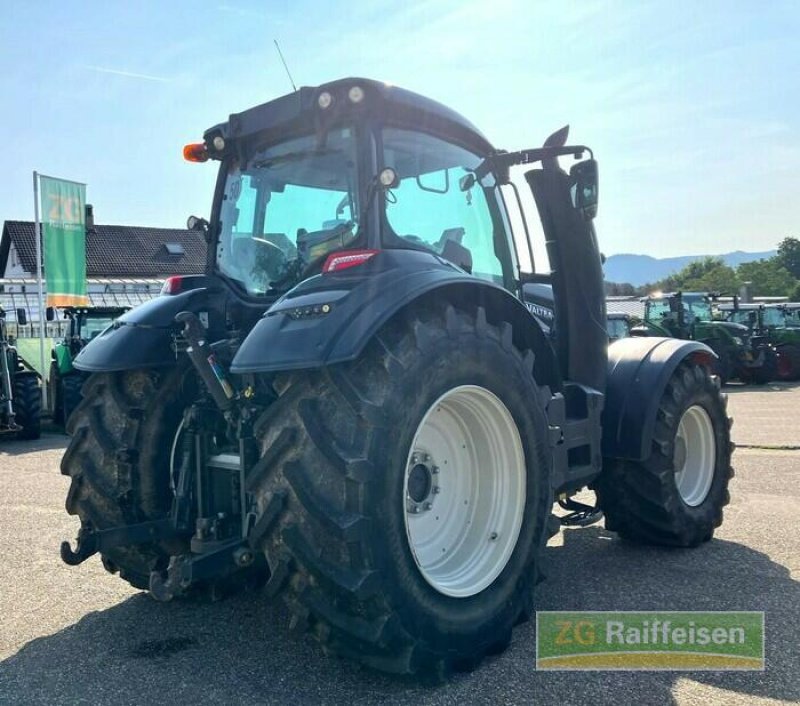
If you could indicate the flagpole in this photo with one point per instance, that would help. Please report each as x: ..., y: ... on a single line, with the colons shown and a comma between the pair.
x: 42, y: 317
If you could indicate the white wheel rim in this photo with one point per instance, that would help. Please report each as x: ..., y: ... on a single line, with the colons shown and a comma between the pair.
x: 464, y: 491
x: 695, y: 455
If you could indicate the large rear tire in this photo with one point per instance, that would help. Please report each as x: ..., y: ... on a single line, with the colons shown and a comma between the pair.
x: 415, y: 488
x: 28, y: 405
x: 676, y: 496
x: 119, y: 455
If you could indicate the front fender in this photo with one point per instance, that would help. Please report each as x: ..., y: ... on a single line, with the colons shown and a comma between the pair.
x: 142, y: 337
x: 638, y: 372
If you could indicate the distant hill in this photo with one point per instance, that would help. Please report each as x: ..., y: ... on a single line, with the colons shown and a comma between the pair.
x: 641, y: 269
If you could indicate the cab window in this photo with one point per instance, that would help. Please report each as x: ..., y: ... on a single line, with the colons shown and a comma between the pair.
x: 439, y: 205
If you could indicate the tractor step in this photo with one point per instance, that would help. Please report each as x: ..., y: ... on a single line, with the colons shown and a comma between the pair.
x: 580, y: 515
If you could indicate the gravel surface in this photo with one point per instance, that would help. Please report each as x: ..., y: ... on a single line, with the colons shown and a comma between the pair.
x: 79, y: 635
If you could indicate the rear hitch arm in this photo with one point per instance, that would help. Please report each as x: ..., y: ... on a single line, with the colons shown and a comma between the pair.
x: 91, y: 541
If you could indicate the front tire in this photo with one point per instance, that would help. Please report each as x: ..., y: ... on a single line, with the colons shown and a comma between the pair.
x: 353, y: 455
x: 676, y: 496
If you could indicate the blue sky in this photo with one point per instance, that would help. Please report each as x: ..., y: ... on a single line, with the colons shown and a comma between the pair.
x: 691, y: 107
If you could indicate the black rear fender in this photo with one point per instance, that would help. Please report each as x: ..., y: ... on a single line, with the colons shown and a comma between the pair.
x: 142, y: 337
x: 638, y: 371
x: 330, y: 318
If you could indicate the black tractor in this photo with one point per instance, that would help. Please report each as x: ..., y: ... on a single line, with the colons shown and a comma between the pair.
x: 66, y: 381
x: 354, y: 406
x: 20, y: 393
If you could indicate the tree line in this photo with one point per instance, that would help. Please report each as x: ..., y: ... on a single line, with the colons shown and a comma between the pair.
x: 778, y: 276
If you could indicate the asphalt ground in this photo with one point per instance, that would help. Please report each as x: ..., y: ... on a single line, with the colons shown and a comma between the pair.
x: 81, y: 636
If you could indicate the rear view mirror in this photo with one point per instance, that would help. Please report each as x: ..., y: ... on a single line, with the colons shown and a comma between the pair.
x: 435, y: 182
x: 22, y: 317
x: 585, y: 187
x: 50, y: 313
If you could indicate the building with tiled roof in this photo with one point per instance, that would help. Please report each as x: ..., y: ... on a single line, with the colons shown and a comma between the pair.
x: 111, y: 251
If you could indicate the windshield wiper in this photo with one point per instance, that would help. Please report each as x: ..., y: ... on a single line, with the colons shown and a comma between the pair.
x: 291, y: 157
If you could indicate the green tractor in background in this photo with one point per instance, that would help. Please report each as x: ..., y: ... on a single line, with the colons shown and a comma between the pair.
x: 779, y: 324
x: 690, y: 316
x: 66, y: 381
x: 20, y: 396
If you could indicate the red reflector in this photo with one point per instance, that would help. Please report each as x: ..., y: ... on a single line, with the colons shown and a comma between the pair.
x: 347, y: 258
x: 195, y: 153
x: 172, y: 285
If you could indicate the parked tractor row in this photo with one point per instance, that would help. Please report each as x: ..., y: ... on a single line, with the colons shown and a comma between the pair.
x: 754, y: 343
x: 21, y: 407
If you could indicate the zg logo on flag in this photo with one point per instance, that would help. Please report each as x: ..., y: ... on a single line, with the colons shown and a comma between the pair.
x: 64, y: 237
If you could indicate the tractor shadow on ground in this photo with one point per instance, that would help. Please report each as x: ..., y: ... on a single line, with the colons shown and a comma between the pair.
x: 241, y: 650
x: 11, y: 446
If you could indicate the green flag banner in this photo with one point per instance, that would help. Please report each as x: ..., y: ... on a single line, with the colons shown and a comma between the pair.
x: 64, y: 237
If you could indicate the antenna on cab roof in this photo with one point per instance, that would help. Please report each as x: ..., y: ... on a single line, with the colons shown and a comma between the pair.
x: 280, y: 54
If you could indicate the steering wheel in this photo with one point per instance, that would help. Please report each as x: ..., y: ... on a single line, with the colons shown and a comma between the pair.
x: 269, y: 259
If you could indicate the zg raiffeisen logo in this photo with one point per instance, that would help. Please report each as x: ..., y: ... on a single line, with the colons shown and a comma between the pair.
x: 650, y: 640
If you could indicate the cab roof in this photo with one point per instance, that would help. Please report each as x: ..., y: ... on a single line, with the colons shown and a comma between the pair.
x: 383, y: 102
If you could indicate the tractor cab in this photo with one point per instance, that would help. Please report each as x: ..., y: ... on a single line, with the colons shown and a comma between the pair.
x: 752, y: 315
x: 676, y: 314
x: 618, y: 325
x: 781, y: 316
